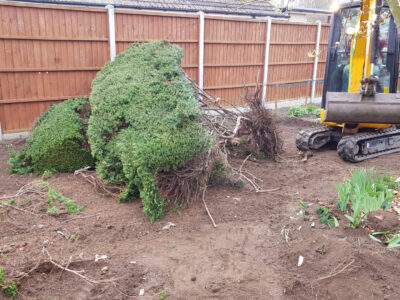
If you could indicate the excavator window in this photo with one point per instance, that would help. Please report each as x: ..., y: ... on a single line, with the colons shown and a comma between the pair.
x: 340, y: 64
x: 339, y: 73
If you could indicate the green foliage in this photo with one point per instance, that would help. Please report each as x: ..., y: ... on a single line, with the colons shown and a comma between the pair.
x: 367, y: 191
x: 9, y: 289
x: 392, y: 239
x: 52, y: 210
x: 71, y: 206
x: 145, y: 119
x: 162, y: 294
x: 298, y: 111
x: 47, y: 174
x: 58, y: 143
x: 326, y: 217
x: 73, y: 238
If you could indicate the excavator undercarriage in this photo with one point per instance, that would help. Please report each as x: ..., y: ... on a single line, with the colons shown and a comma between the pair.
x: 353, y: 147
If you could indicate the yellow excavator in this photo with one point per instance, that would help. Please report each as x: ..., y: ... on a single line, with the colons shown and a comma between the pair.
x: 360, y: 107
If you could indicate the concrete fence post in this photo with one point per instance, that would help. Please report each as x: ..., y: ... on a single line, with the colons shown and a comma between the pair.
x: 111, y: 31
x: 201, y: 50
x: 314, y: 78
x: 266, y: 60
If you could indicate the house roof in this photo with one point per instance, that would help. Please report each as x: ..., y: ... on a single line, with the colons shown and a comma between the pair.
x: 236, y: 7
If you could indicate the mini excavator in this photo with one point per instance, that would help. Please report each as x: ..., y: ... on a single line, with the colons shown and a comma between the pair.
x: 360, y: 107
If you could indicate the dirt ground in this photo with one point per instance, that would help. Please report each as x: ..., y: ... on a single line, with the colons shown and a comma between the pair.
x: 252, y: 254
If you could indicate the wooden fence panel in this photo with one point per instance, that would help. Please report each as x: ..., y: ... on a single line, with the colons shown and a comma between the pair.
x: 233, y: 56
x: 49, y: 53
x: 180, y: 29
x: 291, y: 68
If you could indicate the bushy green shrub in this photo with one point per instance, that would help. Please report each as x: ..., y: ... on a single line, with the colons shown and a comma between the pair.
x: 298, y: 111
x: 144, y: 121
x: 58, y: 143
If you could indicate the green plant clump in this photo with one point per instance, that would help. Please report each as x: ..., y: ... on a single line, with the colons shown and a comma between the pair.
x: 71, y: 206
x: 367, y: 191
x: 9, y: 289
x: 58, y: 143
x: 145, y: 119
x: 298, y: 111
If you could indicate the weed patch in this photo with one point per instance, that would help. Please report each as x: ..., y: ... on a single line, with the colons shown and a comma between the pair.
x: 367, y: 191
x: 70, y: 205
x: 298, y: 111
x: 9, y: 289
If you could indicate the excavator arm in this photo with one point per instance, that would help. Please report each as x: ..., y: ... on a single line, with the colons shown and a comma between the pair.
x: 360, y: 103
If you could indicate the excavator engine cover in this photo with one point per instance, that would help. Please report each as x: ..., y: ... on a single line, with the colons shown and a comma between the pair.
x: 356, y: 108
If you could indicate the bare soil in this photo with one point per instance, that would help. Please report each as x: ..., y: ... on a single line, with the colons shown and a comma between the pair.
x: 246, y: 257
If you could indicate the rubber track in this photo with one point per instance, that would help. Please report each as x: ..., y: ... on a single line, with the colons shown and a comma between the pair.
x: 304, y: 136
x: 349, y: 146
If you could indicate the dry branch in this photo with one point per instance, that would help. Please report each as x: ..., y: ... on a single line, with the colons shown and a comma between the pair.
x: 91, y: 177
x: 336, y: 272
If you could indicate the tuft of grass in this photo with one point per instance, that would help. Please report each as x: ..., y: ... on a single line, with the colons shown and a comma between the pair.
x: 46, y: 174
x: 71, y: 206
x: 366, y: 190
x: 52, y: 210
x: 8, y: 288
x: 298, y: 111
x: 73, y: 238
x: 162, y: 294
x: 326, y: 217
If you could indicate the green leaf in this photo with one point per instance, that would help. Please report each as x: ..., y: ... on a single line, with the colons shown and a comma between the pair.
x: 394, y: 242
x: 374, y: 238
x: 336, y: 221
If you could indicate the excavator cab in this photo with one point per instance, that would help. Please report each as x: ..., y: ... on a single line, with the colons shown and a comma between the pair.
x: 360, y: 53
x: 359, y: 101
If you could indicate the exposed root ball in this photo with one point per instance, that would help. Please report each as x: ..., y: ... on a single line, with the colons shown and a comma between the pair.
x: 184, y: 185
x: 263, y: 136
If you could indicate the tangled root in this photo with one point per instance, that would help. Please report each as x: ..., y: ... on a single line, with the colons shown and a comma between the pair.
x: 184, y: 185
x: 263, y: 136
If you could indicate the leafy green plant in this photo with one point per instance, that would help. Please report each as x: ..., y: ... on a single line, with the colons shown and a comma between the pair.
x: 71, y: 206
x: 394, y: 242
x: 326, y: 217
x: 303, y: 210
x: 73, y: 238
x: 58, y: 143
x: 392, y: 239
x: 9, y: 289
x: 12, y: 202
x: 47, y: 174
x: 145, y: 120
x: 298, y: 111
x: 162, y: 294
x: 52, y: 210
x: 367, y: 191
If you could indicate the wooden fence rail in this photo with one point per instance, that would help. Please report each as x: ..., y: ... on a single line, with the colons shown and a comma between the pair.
x: 49, y: 53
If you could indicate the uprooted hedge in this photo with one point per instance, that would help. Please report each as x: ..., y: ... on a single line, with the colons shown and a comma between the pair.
x: 58, y: 142
x: 145, y: 121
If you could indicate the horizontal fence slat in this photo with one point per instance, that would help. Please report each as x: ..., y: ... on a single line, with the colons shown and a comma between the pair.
x: 121, y: 40
x: 44, y: 99
x: 53, y: 38
x: 49, y: 50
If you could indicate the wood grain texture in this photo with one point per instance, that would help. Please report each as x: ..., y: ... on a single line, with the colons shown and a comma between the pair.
x: 49, y: 53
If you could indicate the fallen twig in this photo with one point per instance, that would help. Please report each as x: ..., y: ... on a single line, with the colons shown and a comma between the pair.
x: 77, y: 273
x: 91, y: 177
x: 19, y: 209
x: 205, y: 205
x: 335, y: 272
